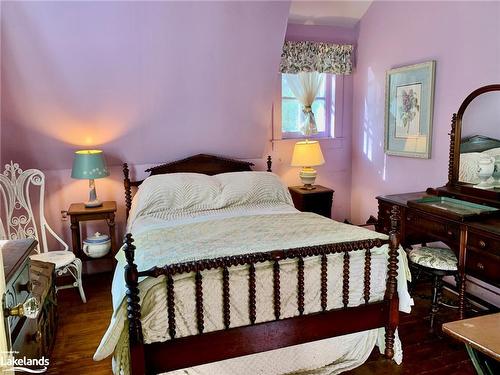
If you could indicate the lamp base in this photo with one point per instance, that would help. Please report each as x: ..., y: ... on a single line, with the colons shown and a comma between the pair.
x: 308, y: 176
x: 95, y: 203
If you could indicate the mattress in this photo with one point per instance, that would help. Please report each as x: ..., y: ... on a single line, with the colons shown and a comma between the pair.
x: 240, y: 230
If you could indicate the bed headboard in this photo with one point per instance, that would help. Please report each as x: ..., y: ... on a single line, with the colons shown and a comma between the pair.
x: 201, y: 163
x: 478, y: 143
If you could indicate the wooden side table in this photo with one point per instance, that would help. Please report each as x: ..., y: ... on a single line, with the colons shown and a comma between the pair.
x: 318, y: 200
x: 78, y: 213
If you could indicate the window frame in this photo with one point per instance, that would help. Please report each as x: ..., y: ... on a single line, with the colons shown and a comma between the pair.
x: 331, y: 105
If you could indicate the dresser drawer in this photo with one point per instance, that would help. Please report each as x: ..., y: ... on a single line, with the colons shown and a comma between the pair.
x: 483, y: 265
x: 29, y: 340
x: 384, y: 217
x: 432, y: 226
x: 483, y: 243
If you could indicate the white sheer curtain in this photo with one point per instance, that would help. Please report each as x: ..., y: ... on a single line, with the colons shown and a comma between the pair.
x: 305, y: 87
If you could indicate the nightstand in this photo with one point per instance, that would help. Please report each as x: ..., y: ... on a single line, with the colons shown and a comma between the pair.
x: 78, y: 213
x: 318, y: 200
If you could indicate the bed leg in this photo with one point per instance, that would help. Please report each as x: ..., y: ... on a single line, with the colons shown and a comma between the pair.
x: 391, y: 292
x: 136, y: 341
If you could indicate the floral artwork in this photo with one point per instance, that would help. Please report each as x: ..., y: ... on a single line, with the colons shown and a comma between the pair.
x: 408, y: 110
x: 409, y: 101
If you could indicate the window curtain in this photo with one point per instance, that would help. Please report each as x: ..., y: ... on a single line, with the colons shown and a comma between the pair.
x: 305, y: 61
x: 305, y: 87
x: 319, y: 57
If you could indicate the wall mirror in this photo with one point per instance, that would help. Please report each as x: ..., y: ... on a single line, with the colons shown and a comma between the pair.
x: 475, y: 143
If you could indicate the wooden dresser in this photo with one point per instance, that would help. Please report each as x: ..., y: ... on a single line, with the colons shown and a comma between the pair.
x: 26, y: 278
x: 476, y: 243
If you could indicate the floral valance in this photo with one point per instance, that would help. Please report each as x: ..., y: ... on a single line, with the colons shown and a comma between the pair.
x: 316, y: 56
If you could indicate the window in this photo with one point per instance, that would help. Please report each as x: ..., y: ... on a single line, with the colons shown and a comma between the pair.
x: 323, y: 107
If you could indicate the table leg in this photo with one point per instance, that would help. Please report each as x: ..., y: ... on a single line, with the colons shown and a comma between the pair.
x: 75, y: 236
x: 461, y: 270
x: 112, y: 232
x: 482, y: 364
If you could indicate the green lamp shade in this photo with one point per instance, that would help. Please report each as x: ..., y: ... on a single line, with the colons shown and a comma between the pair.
x: 89, y: 164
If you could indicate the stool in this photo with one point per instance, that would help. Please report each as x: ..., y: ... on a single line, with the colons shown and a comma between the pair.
x: 438, y: 262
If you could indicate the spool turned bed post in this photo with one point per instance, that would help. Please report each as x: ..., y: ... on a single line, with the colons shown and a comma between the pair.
x: 137, y: 361
x: 128, y: 189
x: 391, y: 291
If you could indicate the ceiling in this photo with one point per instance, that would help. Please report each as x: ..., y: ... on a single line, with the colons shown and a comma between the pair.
x: 331, y: 13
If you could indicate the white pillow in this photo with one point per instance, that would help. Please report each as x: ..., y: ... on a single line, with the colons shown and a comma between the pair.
x: 252, y: 188
x: 175, y: 192
x: 492, y: 151
x: 190, y: 193
x: 467, y: 171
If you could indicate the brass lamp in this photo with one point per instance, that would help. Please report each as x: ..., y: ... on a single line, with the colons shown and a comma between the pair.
x: 90, y: 164
x: 307, y: 154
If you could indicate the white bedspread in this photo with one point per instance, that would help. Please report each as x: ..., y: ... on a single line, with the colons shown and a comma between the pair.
x: 243, y: 230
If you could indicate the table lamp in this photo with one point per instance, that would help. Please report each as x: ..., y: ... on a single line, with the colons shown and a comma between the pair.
x: 90, y: 164
x: 307, y: 154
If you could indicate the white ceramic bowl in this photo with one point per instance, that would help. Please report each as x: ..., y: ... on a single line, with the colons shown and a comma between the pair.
x: 96, y: 250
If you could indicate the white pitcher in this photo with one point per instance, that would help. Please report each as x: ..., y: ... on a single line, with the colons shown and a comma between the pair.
x: 486, y: 165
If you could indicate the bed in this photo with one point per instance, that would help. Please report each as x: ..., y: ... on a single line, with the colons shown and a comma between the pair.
x: 223, y: 275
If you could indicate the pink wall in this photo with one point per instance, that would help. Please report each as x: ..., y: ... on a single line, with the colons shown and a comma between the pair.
x: 464, y: 39
x: 147, y: 82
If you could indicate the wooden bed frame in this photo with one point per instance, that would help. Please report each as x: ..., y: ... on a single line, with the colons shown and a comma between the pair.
x: 178, y: 353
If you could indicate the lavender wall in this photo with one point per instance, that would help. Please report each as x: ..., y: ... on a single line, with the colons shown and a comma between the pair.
x: 144, y: 81
x: 464, y: 39
x: 147, y: 82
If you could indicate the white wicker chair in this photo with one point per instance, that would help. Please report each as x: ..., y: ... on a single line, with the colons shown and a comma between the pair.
x: 16, y: 207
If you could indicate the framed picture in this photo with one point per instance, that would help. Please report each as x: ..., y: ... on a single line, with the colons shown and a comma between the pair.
x: 409, y: 102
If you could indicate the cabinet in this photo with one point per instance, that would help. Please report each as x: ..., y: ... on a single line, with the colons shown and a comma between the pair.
x: 27, y: 278
x: 318, y: 200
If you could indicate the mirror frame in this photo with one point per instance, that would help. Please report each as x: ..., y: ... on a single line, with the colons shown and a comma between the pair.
x: 456, y: 138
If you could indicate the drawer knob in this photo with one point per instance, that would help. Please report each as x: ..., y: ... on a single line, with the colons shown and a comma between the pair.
x: 37, y: 336
x: 29, y: 309
x: 480, y: 266
x: 450, y: 233
x: 482, y: 244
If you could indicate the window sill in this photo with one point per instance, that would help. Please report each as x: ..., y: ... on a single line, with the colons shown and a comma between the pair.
x: 326, y: 142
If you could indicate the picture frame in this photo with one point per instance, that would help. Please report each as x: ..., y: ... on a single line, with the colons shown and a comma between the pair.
x: 409, y: 107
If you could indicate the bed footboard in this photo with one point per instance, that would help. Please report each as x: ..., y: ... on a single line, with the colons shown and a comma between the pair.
x: 182, y: 352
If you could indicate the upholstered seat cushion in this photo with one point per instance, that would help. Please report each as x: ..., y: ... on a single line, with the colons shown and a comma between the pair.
x: 59, y: 258
x: 434, y: 257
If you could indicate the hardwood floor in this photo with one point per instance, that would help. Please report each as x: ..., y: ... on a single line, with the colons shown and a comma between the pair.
x: 81, y: 327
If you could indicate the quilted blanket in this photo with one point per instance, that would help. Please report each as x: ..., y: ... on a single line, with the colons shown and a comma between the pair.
x: 216, y: 237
